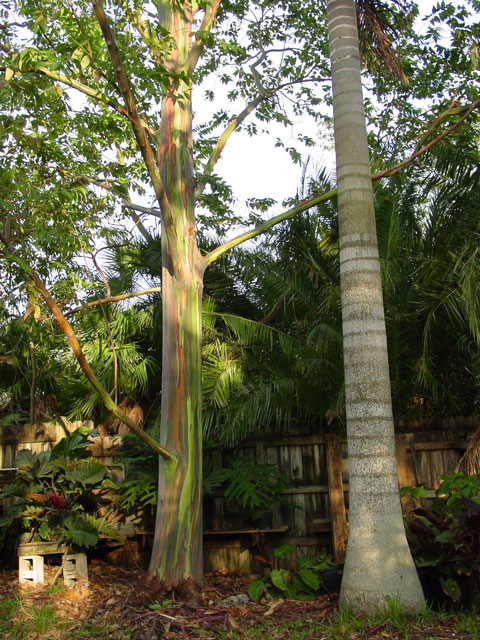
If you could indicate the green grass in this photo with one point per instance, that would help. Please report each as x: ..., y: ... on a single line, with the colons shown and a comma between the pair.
x: 468, y: 623
x: 392, y: 621
x: 19, y: 620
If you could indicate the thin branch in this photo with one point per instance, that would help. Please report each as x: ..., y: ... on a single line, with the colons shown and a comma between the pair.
x: 75, y: 84
x: 137, y: 207
x: 266, y: 226
x: 107, y: 324
x: 33, y: 384
x: 140, y: 127
x: 123, y: 296
x: 82, y: 31
x: 401, y: 165
x: 107, y: 185
x: 80, y: 356
x: 237, y: 121
x: 307, y: 204
x: 198, y: 46
x: 139, y: 224
x: 222, y: 141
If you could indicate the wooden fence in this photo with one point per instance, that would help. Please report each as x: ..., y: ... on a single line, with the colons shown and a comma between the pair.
x: 314, y: 467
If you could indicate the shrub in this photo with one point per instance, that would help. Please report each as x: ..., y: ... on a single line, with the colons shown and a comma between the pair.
x: 247, y: 487
x: 53, y: 497
x: 303, y: 583
x: 445, y: 539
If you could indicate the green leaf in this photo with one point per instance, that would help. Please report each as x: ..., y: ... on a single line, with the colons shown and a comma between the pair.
x: 284, y: 550
x: 446, y: 536
x: 78, y: 531
x: 310, y: 578
x: 418, y: 491
x: 451, y: 589
x: 279, y: 578
x: 91, y: 472
x: 256, y: 589
x: 24, y: 459
x: 72, y: 446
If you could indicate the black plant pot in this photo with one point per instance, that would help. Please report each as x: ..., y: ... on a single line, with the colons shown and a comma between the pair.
x: 436, y: 596
x: 332, y: 578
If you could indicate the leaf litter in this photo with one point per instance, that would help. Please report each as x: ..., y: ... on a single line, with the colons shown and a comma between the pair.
x: 122, y: 603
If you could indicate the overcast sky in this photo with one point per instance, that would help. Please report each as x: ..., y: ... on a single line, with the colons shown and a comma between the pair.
x: 256, y: 168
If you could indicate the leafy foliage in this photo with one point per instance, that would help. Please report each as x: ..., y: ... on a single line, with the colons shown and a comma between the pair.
x: 303, y: 583
x: 53, y: 497
x: 247, y: 487
x: 136, y: 494
x: 445, y: 538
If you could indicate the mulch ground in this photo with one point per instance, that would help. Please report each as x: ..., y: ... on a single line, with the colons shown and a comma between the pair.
x: 120, y: 599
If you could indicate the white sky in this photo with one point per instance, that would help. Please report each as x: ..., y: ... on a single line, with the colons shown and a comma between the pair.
x: 256, y: 168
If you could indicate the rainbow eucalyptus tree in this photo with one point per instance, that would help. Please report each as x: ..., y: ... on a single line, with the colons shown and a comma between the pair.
x: 136, y: 65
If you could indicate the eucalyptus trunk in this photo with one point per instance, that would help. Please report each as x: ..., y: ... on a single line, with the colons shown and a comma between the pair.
x: 178, y: 550
x: 378, y: 561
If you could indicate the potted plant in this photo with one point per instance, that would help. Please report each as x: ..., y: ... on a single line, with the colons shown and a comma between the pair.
x: 53, y: 496
x: 445, y: 540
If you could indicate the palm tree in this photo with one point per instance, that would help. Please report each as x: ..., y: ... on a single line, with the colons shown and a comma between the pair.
x: 378, y: 561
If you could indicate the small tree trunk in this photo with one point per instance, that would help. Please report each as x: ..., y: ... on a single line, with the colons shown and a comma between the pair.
x: 33, y: 384
x: 378, y: 561
x: 178, y: 545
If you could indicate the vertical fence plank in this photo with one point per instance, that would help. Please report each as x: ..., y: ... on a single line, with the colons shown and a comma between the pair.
x: 406, y: 474
x: 335, y: 493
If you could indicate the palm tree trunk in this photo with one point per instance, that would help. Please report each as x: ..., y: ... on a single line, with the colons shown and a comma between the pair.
x: 378, y: 561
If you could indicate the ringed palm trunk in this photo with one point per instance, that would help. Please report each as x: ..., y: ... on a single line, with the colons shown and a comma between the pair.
x: 177, y: 552
x: 378, y: 561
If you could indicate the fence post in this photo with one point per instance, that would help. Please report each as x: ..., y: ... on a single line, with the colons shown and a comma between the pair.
x: 336, y: 498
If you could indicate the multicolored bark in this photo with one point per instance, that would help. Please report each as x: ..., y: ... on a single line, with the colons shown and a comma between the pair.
x: 178, y: 544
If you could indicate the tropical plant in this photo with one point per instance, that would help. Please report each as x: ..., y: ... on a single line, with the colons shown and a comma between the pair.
x: 136, y: 494
x: 55, y: 496
x: 304, y: 583
x: 248, y: 488
x: 445, y: 539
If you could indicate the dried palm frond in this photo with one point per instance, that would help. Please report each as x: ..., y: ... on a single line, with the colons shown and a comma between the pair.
x: 375, y: 44
x: 470, y: 461
x: 134, y: 411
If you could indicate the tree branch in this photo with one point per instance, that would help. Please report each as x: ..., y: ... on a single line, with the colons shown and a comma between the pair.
x: 236, y: 122
x: 137, y: 207
x: 140, y: 127
x: 401, y: 165
x: 307, y: 204
x: 80, y: 356
x: 222, y: 141
x: 266, y: 226
x: 123, y: 296
x: 199, y: 45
